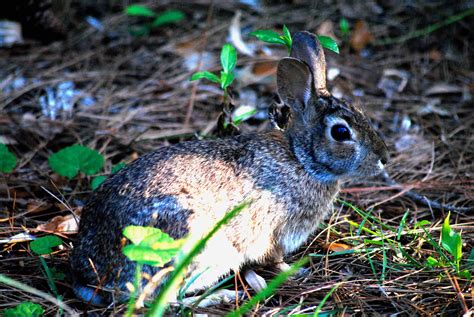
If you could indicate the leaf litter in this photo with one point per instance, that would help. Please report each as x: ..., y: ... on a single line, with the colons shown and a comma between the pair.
x: 140, y: 95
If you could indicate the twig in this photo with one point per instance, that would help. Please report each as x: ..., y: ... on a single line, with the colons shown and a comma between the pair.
x: 425, y: 201
x: 427, y: 30
x: 189, y: 111
x: 24, y: 287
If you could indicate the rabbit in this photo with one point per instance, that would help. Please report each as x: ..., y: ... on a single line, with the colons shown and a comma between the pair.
x: 290, y: 178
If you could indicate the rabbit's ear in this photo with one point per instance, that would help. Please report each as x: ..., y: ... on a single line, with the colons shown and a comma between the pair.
x: 306, y: 47
x: 294, y: 81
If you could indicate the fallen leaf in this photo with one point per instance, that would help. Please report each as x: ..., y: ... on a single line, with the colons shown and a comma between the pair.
x: 62, y: 224
x: 361, y: 36
x: 235, y: 34
x: 37, y: 206
x: 338, y: 247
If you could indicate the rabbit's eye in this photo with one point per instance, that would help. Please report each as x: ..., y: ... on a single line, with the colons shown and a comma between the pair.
x: 340, y: 133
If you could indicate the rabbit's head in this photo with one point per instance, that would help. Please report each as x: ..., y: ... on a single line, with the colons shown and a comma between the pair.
x: 332, y: 139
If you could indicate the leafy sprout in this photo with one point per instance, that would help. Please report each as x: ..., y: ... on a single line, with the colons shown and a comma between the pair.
x: 344, y: 26
x: 7, y: 160
x: 24, y: 309
x: 150, y: 246
x: 159, y: 19
x: 270, y: 36
x: 228, y: 62
x: 45, y: 245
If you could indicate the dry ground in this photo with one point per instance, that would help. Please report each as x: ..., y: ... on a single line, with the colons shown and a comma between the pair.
x: 142, y: 99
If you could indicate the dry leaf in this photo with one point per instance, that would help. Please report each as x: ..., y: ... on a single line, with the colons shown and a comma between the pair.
x: 37, y: 206
x: 361, y: 36
x: 62, y: 224
x: 338, y: 247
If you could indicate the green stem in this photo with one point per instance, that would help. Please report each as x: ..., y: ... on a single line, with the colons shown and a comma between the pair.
x: 133, y: 297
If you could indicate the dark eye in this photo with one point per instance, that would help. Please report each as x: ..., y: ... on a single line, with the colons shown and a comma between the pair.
x: 340, y: 132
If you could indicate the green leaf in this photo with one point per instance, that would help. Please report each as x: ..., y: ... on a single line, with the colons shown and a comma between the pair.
x: 137, y: 233
x: 70, y: 160
x: 207, y: 75
x: 328, y: 43
x: 25, y: 309
x: 170, y: 289
x: 451, y: 240
x: 226, y: 79
x: 97, y: 181
x: 268, y: 36
x: 244, y: 116
x: 150, y: 245
x: 466, y: 274
x: 269, y: 290
x: 432, y: 262
x: 139, y: 10
x: 45, y: 244
x: 421, y: 224
x: 118, y: 167
x: 228, y: 58
x: 145, y: 255
x: 287, y: 38
x: 7, y: 160
x: 167, y: 17
x: 344, y: 26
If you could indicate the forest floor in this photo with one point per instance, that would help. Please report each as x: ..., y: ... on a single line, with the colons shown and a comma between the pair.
x: 409, y: 67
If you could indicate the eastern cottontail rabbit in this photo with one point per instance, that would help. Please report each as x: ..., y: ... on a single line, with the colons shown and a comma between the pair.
x: 290, y: 177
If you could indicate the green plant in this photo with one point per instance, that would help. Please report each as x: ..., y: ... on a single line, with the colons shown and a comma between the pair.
x: 71, y: 160
x: 45, y: 245
x: 270, y: 289
x: 270, y: 36
x: 150, y: 246
x: 183, y: 259
x: 24, y: 309
x: 166, y: 17
x: 42, y: 246
x: 321, y: 304
x: 228, y: 62
x: 451, y: 242
x: 273, y: 37
x: 344, y: 27
x: 7, y: 159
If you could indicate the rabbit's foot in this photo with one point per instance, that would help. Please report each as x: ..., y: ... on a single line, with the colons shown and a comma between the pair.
x: 256, y: 282
x: 219, y: 297
x: 283, y: 267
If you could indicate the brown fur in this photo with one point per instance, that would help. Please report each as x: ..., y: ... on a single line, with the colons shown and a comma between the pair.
x: 290, y: 177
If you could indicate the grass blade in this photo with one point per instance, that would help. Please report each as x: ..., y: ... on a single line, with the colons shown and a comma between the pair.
x: 321, y: 304
x: 269, y: 290
x: 161, y: 302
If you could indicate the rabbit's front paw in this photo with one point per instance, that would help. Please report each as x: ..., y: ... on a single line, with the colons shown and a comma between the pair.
x: 256, y: 282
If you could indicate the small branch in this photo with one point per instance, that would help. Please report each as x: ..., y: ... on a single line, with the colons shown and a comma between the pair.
x: 26, y: 288
x: 423, y: 200
x: 427, y: 30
